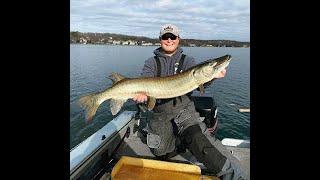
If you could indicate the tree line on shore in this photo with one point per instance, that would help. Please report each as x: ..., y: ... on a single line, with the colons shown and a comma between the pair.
x: 110, y: 38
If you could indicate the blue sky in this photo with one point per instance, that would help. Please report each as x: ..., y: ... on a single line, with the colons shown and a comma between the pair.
x: 196, y: 19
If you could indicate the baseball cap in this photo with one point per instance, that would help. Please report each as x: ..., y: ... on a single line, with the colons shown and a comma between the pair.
x: 169, y: 28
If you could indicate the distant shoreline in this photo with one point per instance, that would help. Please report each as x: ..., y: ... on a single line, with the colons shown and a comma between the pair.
x: 153, y: 45
x: 119, y: 39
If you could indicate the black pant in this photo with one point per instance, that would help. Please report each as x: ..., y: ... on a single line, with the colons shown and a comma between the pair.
x: 198, y: 144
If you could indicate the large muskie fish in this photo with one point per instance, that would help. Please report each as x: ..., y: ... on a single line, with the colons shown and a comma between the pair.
x: 154, y: 87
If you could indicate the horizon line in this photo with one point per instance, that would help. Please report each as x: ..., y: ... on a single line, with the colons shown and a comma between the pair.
x: 157, y: 38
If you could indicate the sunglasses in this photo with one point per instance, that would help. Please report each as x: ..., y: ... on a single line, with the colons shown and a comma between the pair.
x: 168, y: 35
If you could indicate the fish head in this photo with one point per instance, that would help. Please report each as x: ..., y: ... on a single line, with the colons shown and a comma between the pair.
x: 208, y: 70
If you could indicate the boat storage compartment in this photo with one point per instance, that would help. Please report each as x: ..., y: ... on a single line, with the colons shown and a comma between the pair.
x: 137, y: 168
x: 207, y: 108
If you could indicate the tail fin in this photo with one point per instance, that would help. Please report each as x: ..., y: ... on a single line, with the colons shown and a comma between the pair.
x: 90, y: 103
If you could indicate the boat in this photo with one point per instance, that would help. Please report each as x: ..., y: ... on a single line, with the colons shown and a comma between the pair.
x: 122, y: 138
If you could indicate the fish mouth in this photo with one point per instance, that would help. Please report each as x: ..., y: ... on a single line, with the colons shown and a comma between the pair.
x: 220, y: 62
x: 212, y: 66
x: 223, y: 59
x: 217, y: 61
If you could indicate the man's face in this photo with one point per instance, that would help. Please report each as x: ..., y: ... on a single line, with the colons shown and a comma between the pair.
x: 169, y: 42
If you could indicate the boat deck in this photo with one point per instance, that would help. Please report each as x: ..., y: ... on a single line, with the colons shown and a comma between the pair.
x: 135, y: 147
x: 104, y: 144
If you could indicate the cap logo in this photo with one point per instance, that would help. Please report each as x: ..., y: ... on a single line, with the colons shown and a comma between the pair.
x: 168, y: 28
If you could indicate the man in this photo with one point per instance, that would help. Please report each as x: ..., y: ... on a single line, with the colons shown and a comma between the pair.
x: 175, y: 125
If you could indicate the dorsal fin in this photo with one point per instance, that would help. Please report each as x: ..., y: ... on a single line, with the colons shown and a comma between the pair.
x: 115, y: 77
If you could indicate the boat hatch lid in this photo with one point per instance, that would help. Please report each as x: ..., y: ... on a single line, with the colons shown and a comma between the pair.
x: 138, y: 168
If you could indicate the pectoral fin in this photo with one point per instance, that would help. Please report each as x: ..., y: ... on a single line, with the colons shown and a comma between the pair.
x: 201, y: 88
x: 151, y: 103
x: 115, y: 105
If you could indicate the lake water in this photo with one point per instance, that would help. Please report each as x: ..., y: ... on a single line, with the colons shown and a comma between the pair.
x: 90, y: 65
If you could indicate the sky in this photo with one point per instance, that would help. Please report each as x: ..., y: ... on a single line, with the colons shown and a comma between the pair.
x: 196, y: 19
